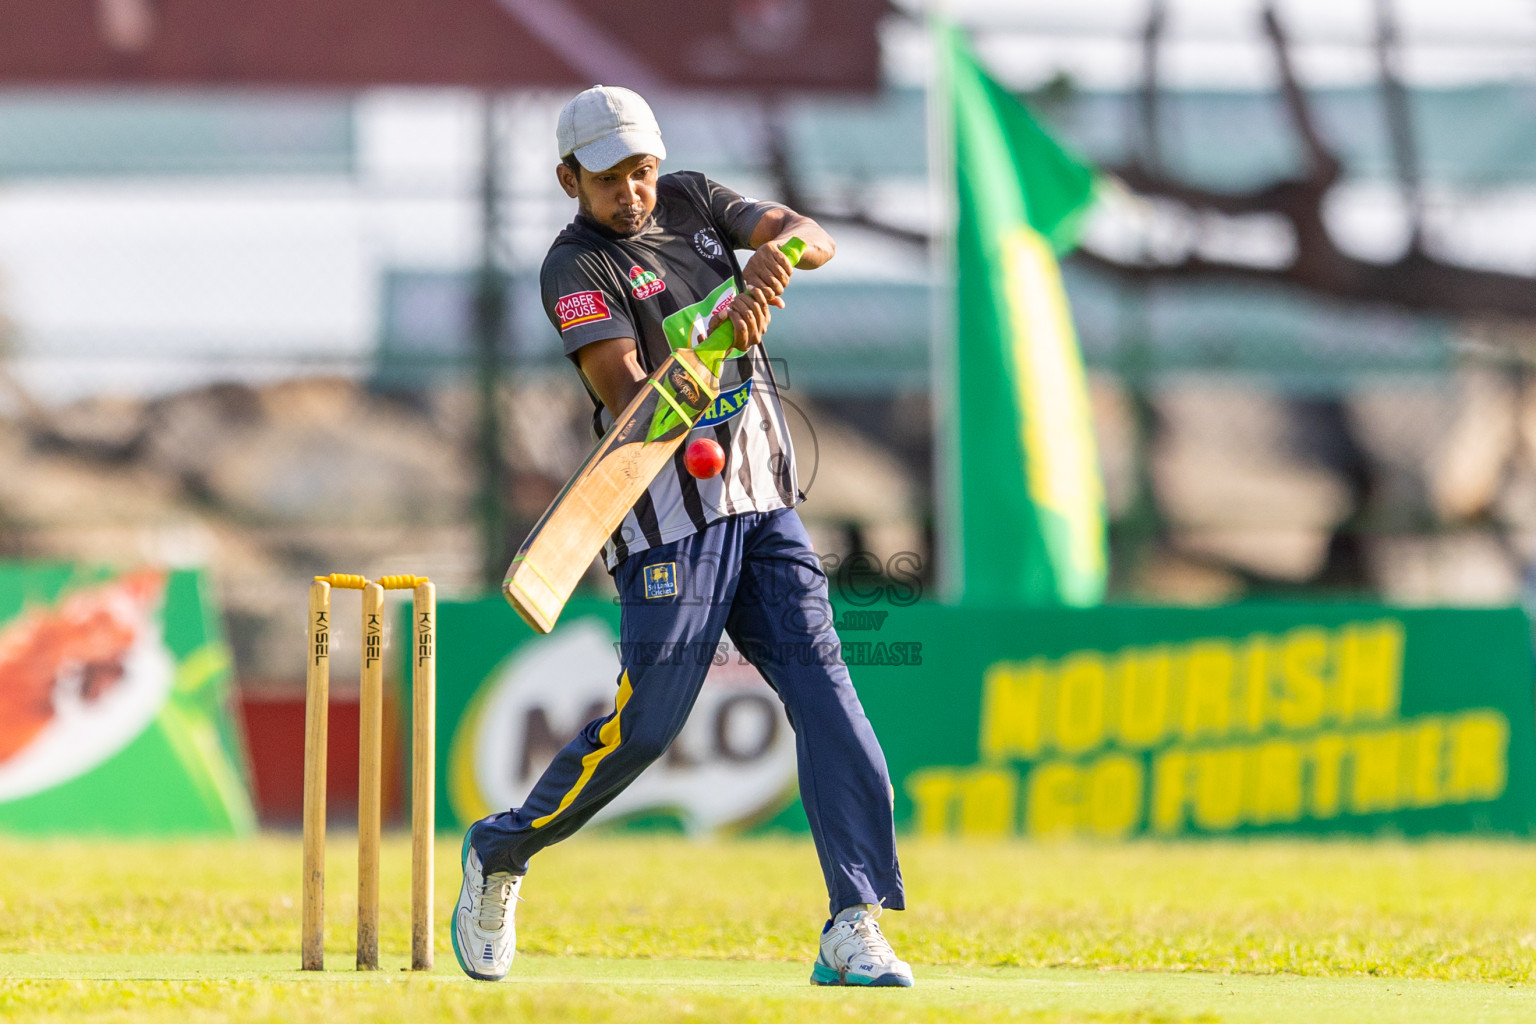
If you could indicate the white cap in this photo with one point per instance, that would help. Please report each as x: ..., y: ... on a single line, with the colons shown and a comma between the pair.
x: 606, y: 124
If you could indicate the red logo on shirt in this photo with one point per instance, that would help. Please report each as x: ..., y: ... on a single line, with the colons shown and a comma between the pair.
x: 581, y: 308
x: 645, y: 283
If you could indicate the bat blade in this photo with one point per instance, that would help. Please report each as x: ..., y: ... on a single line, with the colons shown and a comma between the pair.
x: 605, y: 487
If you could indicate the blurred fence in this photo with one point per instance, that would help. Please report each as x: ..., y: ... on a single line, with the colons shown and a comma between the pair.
x: 246, y: 344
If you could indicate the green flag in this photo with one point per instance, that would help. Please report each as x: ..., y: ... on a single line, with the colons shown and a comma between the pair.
x: 1025, y: 516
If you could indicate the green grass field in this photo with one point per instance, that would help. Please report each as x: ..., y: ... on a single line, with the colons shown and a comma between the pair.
x: 631, y: 929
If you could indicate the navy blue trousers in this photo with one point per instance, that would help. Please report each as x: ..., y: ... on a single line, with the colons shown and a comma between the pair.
x: 755, y: 577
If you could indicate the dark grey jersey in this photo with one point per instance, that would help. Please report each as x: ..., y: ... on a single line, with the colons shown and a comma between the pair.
x: 661, y: 287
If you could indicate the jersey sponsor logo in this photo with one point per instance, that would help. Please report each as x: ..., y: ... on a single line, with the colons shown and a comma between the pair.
x: 723, y: 305
x: 707, y: 245
x: 701, y: 324
x: 685, y: 327
x: 661, y: 580
x: 645, y: 283
x: 727, y: 405
x: 581, y: 308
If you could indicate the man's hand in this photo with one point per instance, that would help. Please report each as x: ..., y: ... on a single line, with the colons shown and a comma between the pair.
x: 779, y: 225
x: 767, y: 272
x: 749, y: 314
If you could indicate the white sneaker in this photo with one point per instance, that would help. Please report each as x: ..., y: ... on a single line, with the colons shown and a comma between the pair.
x: 854, y: 952
x: 484, y: 925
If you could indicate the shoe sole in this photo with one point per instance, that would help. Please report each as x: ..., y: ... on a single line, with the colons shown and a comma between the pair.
x: 453, y: 922
x: 821, y: 974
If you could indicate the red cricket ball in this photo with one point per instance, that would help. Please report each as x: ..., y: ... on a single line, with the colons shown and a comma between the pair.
x: 704, y: 457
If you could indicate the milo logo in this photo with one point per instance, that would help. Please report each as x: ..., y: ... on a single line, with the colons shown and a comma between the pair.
x: 644, y: 283
x: 734, y: 761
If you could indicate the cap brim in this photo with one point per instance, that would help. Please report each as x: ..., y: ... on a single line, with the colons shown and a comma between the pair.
x: 605, y: 152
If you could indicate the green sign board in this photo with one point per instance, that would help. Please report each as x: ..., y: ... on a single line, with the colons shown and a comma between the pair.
x: 113, y: 705
x: 1140, y: 721
x: 1103, y: 723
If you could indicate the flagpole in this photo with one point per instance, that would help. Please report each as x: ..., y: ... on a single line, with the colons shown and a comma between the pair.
x: 949, y: 545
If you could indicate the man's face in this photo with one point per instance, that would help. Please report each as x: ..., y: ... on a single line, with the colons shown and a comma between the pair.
x: 621, y: 198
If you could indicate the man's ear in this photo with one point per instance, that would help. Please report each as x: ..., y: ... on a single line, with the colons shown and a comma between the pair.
x: 568, y: 180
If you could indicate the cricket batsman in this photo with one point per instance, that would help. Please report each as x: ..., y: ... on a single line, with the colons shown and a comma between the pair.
x: 648, y: 266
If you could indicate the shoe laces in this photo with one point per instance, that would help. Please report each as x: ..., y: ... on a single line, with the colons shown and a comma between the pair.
x: 496, y: 895
x: 868, y: 931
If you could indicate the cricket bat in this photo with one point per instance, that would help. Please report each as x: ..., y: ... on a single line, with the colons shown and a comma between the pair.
x: 607, y: 484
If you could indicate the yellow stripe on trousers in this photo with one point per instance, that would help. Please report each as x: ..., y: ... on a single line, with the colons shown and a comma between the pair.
x: 610, y: 737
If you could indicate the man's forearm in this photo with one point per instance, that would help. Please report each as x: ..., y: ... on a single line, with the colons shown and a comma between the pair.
x: 819, y: 247
x: 613, y: 369
x: 781, y: 224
